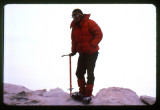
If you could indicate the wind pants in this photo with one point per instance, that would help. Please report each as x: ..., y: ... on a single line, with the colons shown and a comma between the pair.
x: 86, y: 63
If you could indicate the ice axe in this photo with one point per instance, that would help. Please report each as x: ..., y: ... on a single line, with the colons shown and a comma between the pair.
x: 70, y: 73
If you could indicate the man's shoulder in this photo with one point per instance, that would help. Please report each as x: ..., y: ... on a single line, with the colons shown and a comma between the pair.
x: 91, y: 22
x: 72, y: 24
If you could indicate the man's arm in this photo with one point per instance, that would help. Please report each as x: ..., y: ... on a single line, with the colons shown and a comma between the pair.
x: 95, y: 30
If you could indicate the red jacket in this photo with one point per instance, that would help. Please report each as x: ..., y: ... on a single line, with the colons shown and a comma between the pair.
x: 85, y: 36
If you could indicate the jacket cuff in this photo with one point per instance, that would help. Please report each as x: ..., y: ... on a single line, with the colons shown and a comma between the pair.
x: 93, y: 45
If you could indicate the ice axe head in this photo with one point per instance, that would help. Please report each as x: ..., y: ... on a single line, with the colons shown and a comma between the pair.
x: 65, y: 55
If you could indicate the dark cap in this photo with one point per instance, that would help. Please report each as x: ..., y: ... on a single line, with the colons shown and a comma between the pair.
x: 77, y: 11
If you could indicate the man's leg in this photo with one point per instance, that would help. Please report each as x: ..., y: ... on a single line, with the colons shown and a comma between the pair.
x: 81, y: 70
x: 90, y: 72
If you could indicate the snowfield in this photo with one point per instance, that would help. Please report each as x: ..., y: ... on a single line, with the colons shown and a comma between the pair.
x: 20, y: 95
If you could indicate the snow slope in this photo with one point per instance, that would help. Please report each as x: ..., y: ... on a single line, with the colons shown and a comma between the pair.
x: 19, y: 95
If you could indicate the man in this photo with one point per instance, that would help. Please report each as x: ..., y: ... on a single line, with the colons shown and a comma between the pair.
x: 85, y: 35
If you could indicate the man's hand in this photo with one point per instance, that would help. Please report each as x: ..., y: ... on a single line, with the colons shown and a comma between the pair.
x: 72, y: 54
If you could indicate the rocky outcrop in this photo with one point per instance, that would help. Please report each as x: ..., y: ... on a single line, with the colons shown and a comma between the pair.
x: 148, y: 100
x: 117, y: 96
x: 19, y: 95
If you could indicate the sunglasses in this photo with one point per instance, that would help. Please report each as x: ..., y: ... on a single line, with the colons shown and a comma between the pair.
x: 76, y: 16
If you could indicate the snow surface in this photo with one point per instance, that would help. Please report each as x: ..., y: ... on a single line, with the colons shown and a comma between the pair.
x: 19, y: 95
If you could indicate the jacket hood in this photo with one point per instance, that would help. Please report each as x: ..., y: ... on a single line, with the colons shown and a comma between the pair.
x: 85, y: 17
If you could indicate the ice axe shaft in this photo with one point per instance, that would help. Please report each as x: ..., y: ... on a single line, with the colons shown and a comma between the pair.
x: 70, y: 72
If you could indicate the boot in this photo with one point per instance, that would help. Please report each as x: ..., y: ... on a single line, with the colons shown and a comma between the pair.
x: 79, y: 95
x: 87, y: 99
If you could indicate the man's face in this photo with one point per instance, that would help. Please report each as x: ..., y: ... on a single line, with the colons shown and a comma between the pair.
x: 77, y: 17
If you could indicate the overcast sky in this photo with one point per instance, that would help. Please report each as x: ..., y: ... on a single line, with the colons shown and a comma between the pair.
x: 36, y: 36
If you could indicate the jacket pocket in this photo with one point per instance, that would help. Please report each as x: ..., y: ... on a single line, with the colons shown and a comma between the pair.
x: 86, y: 47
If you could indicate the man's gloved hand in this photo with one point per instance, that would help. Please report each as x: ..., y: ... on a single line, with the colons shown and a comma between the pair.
x: 72, y: 54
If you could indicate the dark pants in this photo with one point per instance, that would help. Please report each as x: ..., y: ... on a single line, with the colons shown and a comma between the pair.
x: 86, y: 62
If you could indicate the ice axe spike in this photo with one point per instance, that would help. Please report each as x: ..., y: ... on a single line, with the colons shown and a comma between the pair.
x: 70, y: 89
